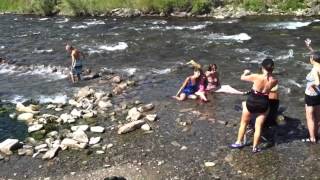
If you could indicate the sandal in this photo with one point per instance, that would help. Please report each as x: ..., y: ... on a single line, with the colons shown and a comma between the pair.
x: 256, y: 150
x: 236, y: 146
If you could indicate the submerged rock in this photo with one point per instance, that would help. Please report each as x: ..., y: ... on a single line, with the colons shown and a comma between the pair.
x: 9, y: 145
x: 116, y: 79
x: 131, y: 126
x: 145, y: 108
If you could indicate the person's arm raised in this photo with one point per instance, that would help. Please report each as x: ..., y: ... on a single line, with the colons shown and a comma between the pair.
x: 247, y: 76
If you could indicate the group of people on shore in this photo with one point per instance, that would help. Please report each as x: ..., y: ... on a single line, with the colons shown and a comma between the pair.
x: 263, y: 98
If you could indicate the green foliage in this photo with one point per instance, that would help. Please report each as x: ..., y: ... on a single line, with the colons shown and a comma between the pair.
x: 43, y: 7
x: 16, y: 6
x: 201, y: 6
x: 255, y: 5
x: 291, y: 5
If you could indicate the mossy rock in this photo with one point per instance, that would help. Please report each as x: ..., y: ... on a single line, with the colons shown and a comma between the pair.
x: 51, y: 127
x: 91, y: 121
x: 38, y: 135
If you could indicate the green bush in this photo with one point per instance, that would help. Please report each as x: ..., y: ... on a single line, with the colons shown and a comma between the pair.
x: 43, y: 7
x: 16, y: 6
x: 255, y: 5
x: 201, y: 6
x: 291, y: 5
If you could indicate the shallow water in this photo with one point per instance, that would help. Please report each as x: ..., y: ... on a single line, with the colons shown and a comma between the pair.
x: 156, y: 49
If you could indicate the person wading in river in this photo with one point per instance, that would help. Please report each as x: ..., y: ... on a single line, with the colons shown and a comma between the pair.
x: 76, y: 62
x: 312, y: 95
x: 257, y: 102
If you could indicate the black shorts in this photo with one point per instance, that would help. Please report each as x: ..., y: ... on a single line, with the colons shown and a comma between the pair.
x: 257, y: 103
x: 312, y: 100
x: 273, y: 112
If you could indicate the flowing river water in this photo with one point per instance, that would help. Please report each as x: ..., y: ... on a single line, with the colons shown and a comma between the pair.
x: 154, y: 50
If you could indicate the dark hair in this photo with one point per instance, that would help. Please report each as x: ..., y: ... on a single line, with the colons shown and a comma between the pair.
x: 316, y: 56
x: 268, y: 64
x: 211, y: 66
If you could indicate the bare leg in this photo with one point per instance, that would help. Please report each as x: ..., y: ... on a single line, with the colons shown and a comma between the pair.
x: 72, y: 77
x: 311, y: 122
x: 257, y: 129
x: 181, y: 97
x: 192, y: 96
x: 245, y: 118
x: 228, y: 89
x: 202, y: 95
x: 317, y: 119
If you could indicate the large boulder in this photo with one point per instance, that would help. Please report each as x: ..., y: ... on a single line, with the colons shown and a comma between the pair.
x: 131, y: 126
x: 9, y: 145
x: 25, y: 117
x: 134, y: 114
x: 28, y: 109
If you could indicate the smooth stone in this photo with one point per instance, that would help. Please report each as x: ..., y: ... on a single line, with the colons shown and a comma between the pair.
x: 72, y: 102
x: 84, y: 92
x: 209, y: 164
x: 80, y: 127
x: 99, y: 95
x: 51, y: 153
x: 99, y: 152
x: 145, y: 108
x: 66, y: 117
x: 71, y: 143
x: 175, y: 143
x: 131, y: 126
x: 13, y: 115
x: 27, y: 109
x: 51, y: 106
x: 94, y: 140
x: 41, y: 146
x: 8, y: 145
x: 104, y: 104
x: 80, y: 136
x: 151, y: 117
x: 25, y: 117
x: 97, y: 129
x: 25, y: 152
x: 109, y: 146
x: 75, y: 113
x: 58, y: 109
x: 116, y: 79
x: 35, y: 127
x: 183, y: 148
x: 53, y: 134
x: 134, y: 114
x: 146, y: 127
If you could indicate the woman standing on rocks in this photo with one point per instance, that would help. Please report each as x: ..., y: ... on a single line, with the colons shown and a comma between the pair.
x: 312, y: 95
x: 257, y: 102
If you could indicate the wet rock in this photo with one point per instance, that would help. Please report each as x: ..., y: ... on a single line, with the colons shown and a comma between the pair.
x: 80, y: 127
x: 51, y: 153
x: 94, y: 140
x: 209, y: 164
x: 25, y: 151
x: 41, y: 146
x: 222, y: 122
x: 53, y: 134
x: 99, y: 152
x: 183, y: 148
x: 114, y: 177
x: 84, y: 92
x: 9, y: 145
x: 27, y: 109
x: 151, y: 117
x: 72, y: 102
x: 134, y: 114
x: 75, y: 113
x: 116, y: 79
x: 51, y: 106
x: 71, y: 143
x: 99, y: 95
x: 80, y: 136
x: 109, y: 146
x: 145, y: 108
x: 97, y: 129
x: 175, y: 143
x: 58, y: 109
x: 35, y: 127
x: 13, y: 115
x: 67, y: 118
x: 130, y: 126
x: 105, y: 104
x: 25, y: 117
x: 146, y: 127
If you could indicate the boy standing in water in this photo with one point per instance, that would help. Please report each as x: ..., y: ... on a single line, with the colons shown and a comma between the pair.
x: 76, y: 63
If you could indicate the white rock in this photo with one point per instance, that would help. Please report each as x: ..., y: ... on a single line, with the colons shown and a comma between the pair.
x: 99, y: 152
x: 116, y: 79
x: 1, y: 157
x: 13, y: 115
x: 51, y: 106
x: 94, y: 140
x: 35, y: 127
x: 28, y: 109
x: 109, y: 146
x: 71, y: 121
x: 75, y: 113
x: 183, y: 148
x: 97, y: 129
x: 146, y: 108
x: 84, y: 92
x: 130, y: 126
x: 51, y: 153
x: 66, y: 117
x: 8, y: 145
x: 53, y: 134
x: 80, y: 136
x: 209, y: 164
x: 41, y: 146
x: 88, y: 115
x: 99, y: 95
x: 146, y: 127
x: 25, y: 152
x: 80, y: 127
x: 151, y: 117
x: 72, y: 102
x: 104, y: 104
x: 58, y: 109
x: 71, y: 143
x: 25, y: 117
x: 134, y: 114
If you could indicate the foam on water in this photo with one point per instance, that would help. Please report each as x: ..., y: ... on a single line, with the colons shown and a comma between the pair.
x: 79, y: 27
x: 162, y: 71
x: 60, y: 21
x: 288, y: 25
x: 2, y: 47
x: 119, y: 46
x: 41, y: 51
x: 286, y: 56
x: 159, y: 22
x: 16, y: 99
x: 293, y: 82
x: 237, y: 37
x: 174, y: 27
x: 94, y: 22
x: 43, y: 19
x: 130, y: 71
x: 56, y: 99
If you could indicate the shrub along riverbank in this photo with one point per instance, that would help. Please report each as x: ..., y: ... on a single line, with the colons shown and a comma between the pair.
x: 159, y: 7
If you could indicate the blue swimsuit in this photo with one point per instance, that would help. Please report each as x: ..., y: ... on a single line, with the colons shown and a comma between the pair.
x: 190, y: 88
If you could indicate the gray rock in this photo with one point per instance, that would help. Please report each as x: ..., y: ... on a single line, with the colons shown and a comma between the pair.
x: 151, y: 117
x: 25, y: 152
x: 146, y: 127
x: 175, y: 143
x: 35, y: 127
x: 97, y: 129
x: 25, y: 117
x: 145, y: 108
x: 105, y: 104
x: 134, y: 114
x: 116, y: 79
x: 51, y: 153
x: 80, y: 127
x: 9, y: 145
x: 94, y: 140
x: 80, y: 136
x: 84, y: 92
x: 131, y: 126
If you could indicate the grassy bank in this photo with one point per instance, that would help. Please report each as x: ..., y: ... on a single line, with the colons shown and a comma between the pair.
x: 96, y: 7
